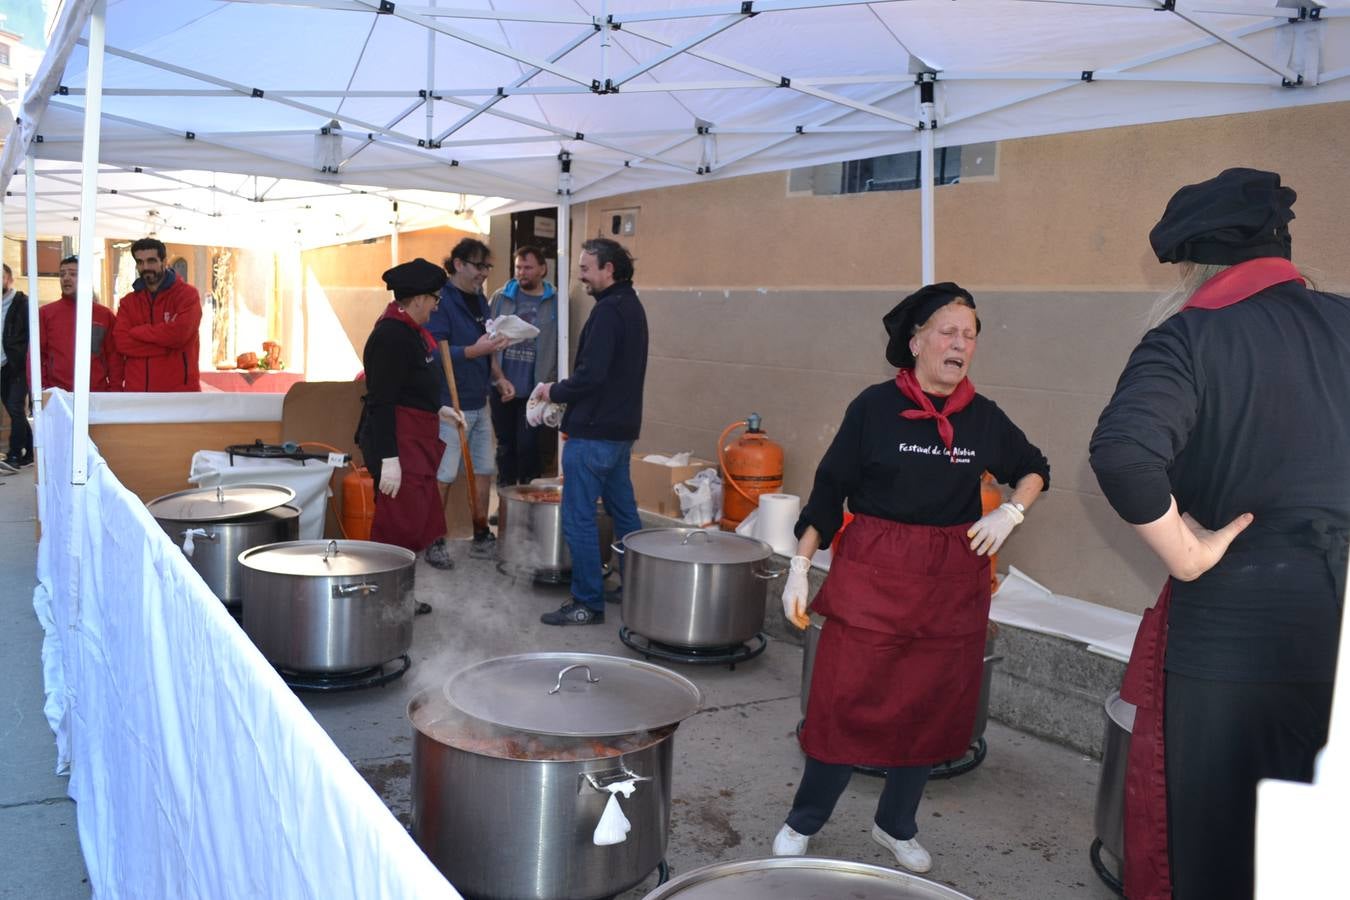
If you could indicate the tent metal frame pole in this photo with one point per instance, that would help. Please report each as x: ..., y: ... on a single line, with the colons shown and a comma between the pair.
x: 564, y: 276
x: 89, y: 269
x: 34, y: 330
x: 928, y: 112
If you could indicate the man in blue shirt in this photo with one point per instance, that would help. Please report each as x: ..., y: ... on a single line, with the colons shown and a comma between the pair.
x: 460, y: 319
x: 525, y: 364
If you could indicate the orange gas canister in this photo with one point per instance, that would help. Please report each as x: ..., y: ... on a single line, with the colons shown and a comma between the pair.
x: 991, y: 498
x: 750, y: 467
x: 358, y: 504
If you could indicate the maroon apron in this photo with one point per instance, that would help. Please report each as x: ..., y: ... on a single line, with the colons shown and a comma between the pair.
x: 415, y: 517
x: 1147, y: 868
x: 897, y: 673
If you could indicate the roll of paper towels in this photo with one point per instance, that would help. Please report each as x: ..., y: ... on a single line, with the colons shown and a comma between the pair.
x: 777, y: 517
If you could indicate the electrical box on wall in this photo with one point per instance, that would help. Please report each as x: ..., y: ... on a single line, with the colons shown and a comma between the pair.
x: 620, y: 223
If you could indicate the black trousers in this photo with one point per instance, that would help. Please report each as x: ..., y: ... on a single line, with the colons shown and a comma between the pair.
x: 1221, y: 738
x: 517, y: 443
x: 823, y: 783
x: 14, y: 394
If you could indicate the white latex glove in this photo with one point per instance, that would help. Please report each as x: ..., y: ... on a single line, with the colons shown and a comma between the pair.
x: 534, y: 407
x: 988, y: 534
x: 795, y: 591
x: 391, y: 476
x: 450, y: 416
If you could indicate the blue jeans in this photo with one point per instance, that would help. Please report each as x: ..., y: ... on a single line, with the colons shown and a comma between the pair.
x: 594, y: 470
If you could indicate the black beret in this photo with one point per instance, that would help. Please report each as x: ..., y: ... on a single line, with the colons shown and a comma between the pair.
x: 410, y: 279
x: 1238, y: 215
x: 911, y: 312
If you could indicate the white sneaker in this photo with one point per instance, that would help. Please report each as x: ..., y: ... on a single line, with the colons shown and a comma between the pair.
x: 909, y: 854
x: 789, y: 843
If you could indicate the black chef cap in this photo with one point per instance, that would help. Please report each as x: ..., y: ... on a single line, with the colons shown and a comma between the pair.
x: 911, y: 312
x: 410, y: 279
x: 1238, y: 215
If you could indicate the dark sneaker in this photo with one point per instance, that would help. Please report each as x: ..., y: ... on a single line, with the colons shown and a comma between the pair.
x: 438, y: 555
x: 484, y: 545
x: 7, y: 469
x: 573, y: 613
x: 422, y: 608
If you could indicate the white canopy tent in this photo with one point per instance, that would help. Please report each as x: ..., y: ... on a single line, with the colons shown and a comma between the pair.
x: 549, y: 103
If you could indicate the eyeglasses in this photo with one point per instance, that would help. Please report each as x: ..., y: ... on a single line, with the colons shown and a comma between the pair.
x: 482, y: 266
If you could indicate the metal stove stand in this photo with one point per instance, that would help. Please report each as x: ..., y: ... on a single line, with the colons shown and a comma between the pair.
x: 975, y: 754
x: 1103, y: 870
x: 707, y: 656
x: 335, y: 682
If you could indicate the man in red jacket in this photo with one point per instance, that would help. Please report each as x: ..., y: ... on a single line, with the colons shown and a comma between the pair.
x: 56, y: 334
x: 157, y: 325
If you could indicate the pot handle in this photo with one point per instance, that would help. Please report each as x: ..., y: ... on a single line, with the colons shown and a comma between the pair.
x: 600, y: 781
x: 767, y: 574
x: 696, y: 531
x: 365, y: 588
x: 616, y: 548
x: 590, y: 679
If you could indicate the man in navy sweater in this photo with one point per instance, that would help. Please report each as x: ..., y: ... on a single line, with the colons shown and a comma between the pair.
x: 603, y: 418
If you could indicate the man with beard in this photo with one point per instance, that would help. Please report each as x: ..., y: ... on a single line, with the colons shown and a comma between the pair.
x: 157, y: 325
x: 523, y: 365
x: 603, y: 418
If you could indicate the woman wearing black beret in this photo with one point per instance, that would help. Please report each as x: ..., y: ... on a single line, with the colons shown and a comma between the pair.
x: 897, y: 673
x: 1225, y: 447
x: 398, y: 431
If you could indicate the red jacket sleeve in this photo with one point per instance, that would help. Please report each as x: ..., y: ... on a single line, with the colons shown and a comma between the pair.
x: 157, y: 338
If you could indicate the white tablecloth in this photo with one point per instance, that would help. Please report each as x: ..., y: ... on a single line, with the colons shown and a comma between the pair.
x: 309, y: 479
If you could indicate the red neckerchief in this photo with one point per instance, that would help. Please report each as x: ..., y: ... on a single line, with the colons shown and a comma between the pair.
x: 1242, y: 281
x: 959, y: 400
x: 394, y: 311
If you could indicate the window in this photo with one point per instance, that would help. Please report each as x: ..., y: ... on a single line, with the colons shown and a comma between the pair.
x: 4, y: 54
x: 894, y: 172
x: 48, y: 258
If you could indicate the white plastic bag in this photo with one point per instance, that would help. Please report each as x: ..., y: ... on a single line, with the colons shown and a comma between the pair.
x: 713, y: 480
x: 614, y: 826
x: 695, y: 502
x: 678, y: 459
x: 747, y: 526
x: 513, y: 327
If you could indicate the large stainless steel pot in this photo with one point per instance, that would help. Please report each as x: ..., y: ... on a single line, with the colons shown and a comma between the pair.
x: 689, y: 587
x: 509, y: 812
x: 328, y: 606
x: 214, y: 525
x: 529, y: 533
x: 786, y: 877
x: 1110, y: 813
x: 981, y: 710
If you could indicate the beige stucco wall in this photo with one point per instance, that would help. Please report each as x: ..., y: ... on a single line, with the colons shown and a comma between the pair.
x: 761, y: 301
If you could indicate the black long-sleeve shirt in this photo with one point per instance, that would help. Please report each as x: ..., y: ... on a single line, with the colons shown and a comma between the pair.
x: 1242, y: 409
x: 400, y: 371
x: 895, y: 468
x: 604, y: 392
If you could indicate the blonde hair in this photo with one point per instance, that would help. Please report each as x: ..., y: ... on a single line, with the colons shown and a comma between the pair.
x: 1193, y: 275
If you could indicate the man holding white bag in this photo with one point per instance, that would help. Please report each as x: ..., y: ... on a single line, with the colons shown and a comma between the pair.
x: 602, y: 420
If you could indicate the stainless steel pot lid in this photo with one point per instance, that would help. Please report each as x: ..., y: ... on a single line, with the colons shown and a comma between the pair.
x: 573, y: 694
x: 214, y: 504
x: 801, y: 877
x: 697, y: 545
x: 327, y: 558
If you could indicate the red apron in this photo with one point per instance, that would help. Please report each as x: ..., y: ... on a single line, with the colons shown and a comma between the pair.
x: 1147, y: 868
x: 415, y: 517
x: 897, y: 673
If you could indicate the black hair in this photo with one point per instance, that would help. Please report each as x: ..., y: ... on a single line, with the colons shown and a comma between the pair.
x: 467, y: 250
x: 149, y: 244
x: 607, y: 252
x: 70, y: 260
x: 531, y: 250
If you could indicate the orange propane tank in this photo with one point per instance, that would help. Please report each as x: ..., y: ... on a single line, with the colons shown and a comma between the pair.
x: 750, y: 467
x: 358, y: 504
x: 991, y: 498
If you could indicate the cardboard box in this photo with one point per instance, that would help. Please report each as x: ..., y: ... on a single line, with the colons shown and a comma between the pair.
x: 654, y: 484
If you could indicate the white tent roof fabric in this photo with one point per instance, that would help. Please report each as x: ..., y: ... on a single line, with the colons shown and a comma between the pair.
x: 484, y: 98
